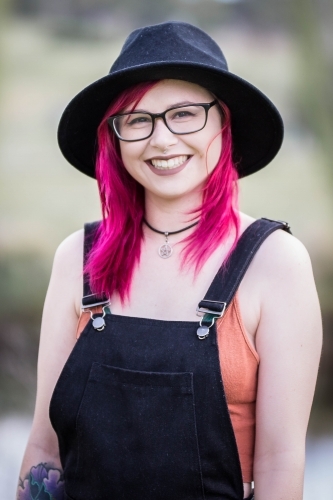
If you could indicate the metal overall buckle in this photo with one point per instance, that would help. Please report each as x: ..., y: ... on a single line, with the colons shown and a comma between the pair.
x: 98, y: 322
x: 208, y: 317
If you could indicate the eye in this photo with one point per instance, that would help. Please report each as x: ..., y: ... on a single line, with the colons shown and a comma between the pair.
x: 138, y: 120
x: 182, y: 114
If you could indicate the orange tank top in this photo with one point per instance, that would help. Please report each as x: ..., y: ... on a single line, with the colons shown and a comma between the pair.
x: 239, y: 366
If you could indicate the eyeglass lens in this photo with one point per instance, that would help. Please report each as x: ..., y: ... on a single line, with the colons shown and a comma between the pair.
x: 182, y: 120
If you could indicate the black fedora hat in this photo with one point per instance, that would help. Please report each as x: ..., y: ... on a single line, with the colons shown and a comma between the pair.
x: 174, y: 50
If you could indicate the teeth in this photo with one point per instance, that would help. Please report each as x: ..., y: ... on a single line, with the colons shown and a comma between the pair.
x: 167, y: 164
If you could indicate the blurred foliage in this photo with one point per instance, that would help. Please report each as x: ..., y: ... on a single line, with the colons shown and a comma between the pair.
x: 312, y: 22
x: 23, y: 281
x: 3, y: 14
x: 263, y: 14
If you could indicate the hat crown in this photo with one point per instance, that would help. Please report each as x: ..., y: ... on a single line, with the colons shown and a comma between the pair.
x: 170, y: 42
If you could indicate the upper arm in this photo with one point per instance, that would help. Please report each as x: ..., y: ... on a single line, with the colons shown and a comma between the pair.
x: 288, y: 340
x: 60, y: 316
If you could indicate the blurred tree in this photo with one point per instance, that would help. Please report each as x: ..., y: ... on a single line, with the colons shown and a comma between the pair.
x: 3, y: 13
x: 23, y: 282
x: 25, y: 7
x: 312, y: 22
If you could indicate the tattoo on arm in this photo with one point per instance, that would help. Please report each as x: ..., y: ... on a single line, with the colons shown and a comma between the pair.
x: 44, y: 482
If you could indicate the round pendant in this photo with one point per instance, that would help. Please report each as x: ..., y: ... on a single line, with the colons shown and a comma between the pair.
x: 165, y: 251
x: 98, y: 323
x: 202, y: 332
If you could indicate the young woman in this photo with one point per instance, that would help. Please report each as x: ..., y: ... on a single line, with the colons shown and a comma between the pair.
x: 147, y: 400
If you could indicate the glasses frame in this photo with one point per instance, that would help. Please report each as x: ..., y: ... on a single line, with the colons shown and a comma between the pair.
x: 154, y: 116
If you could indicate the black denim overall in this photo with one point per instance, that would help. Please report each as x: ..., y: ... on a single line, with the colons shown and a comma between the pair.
x: 139, y: 408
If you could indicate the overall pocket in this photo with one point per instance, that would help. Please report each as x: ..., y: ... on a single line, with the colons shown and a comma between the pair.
x: 137, y: 437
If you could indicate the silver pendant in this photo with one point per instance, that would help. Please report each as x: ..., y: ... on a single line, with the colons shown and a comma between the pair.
x: 165, y: 251
x: 202, y: 332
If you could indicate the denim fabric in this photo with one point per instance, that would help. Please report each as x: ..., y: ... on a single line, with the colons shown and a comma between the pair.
x: 133, y: 413
x: 140, y: 410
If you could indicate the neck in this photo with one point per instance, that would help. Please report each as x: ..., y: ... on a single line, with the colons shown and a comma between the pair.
x: 171, y: 214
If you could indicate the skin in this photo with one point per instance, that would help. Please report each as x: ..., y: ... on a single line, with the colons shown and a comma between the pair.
x: 277, y: 297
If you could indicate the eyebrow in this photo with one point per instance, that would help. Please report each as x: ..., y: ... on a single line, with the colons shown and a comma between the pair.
x: 176, y: 105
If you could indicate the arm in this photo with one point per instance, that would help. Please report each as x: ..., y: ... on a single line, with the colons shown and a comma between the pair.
x: 41, y: 469
x: 43, y: 481
x: 288, y: 341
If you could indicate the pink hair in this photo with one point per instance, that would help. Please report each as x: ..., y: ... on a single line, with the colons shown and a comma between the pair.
x: 117, y: 246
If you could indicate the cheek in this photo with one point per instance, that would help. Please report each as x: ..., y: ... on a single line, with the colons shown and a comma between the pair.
x: 213, y: 154
x: 127, y: 151
x: 130, y: 154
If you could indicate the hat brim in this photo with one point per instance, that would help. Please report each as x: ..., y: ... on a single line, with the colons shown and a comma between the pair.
x: 257, y: 127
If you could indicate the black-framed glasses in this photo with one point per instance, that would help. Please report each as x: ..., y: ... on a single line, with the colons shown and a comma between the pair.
x: 180, y: 120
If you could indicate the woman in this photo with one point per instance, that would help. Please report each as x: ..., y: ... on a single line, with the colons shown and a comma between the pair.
x: 140, y: 410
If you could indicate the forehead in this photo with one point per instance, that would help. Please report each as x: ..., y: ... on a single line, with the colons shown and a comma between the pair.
x: 168, y: 93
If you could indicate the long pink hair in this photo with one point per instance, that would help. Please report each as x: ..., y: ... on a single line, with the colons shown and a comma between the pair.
x: 117, y: 246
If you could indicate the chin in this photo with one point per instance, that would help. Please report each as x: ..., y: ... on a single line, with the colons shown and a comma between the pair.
x: 173, y: 194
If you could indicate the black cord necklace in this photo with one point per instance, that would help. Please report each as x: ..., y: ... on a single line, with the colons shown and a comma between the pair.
x: 165, y: 250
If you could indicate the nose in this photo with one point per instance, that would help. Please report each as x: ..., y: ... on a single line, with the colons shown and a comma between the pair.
x: 162, y: 138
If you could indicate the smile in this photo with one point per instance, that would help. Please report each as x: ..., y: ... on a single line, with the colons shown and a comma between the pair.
x: 163, y: 164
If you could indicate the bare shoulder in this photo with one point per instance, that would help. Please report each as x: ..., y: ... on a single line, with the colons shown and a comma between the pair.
x: 281, y: 255
x: 70, y: 251
x: 64, y: 291
x: 282, y: 258
x: 280, y: 250
x: 289, y: 307
x: 280, y: 278
x: 68, y: 266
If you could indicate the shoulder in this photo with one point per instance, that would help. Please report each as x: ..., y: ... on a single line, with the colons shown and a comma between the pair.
x: 280, y: 252
x: 281, y: 259
x: 69, y: 254
x: 70, y: 249
x: 67, y: 271
x: 285, y: 290
x: 278, y: 282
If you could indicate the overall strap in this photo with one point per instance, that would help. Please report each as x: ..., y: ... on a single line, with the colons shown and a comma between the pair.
x: 228, y: 279
x: 90, y: 299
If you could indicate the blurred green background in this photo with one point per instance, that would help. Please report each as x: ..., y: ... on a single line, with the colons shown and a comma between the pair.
x: 50, y: 50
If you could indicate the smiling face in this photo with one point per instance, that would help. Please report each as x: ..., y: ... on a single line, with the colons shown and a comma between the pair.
x: 169, y: 165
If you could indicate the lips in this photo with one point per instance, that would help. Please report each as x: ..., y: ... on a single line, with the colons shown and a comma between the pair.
x: 168, y: 165
x: 174, y: 162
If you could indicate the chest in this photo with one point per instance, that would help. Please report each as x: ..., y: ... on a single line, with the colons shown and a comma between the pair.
x: 169, y: 290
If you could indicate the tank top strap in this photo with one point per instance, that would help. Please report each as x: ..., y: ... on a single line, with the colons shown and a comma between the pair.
x: 230, y: 275
x: 90, y: 299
